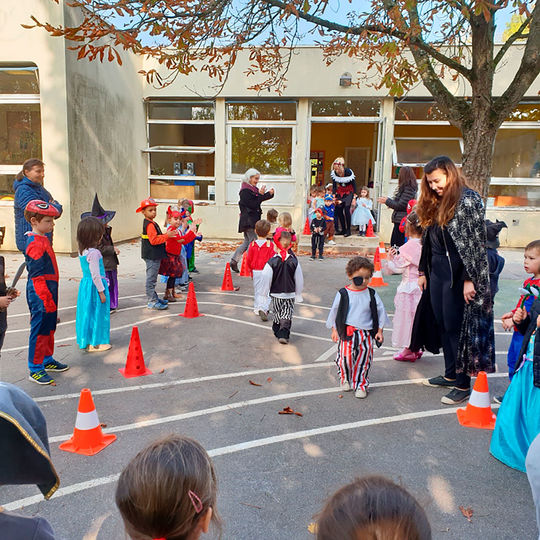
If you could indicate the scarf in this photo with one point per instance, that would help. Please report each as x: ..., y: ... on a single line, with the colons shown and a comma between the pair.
x: 282, y: 252
x: 247, y: 185
x: 342, y: 179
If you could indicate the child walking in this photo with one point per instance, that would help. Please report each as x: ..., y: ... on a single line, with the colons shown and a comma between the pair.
x: 283, y: 280
x: 318, y: 226
x: 357, y: 318
x: 259, y: 253
x: 405, y: 262
x: 152, y: 251
x: 41, y: 291
x: 93, y: 319
x: 362, y: 213
x: 168, y: 490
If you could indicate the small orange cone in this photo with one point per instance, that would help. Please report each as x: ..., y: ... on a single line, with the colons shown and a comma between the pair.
x: 377, y: 279
x: 382, y: 251
x: 135, y: 360
x: 369, y: 231
x: 478, y: 413
x: 244, y: 270
x: 191, y: 311
x: 307, y: 230
x: 87, y: 439
x: 227, y: 284
x: 377, y: 257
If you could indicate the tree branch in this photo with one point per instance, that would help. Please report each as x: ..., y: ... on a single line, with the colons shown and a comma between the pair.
x: 516, y: 35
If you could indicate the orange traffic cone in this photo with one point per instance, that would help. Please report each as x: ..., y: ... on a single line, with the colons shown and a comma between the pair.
x: 382, y: 251
x: 135, y: 360
x: 244, y: 270
x: 377, y: 279
x: 227, y: 284
x: 369, y: 231
x: 478, y: 413
x: 87, y: 439
x: 307, y: 230
x: 191, y: 311
x: 377, y: 257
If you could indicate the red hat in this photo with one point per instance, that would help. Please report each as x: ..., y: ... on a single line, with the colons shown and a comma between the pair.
x: 174, y: 211
x: 146, y: 203
x: 42, y: 208
x: 319, y: 211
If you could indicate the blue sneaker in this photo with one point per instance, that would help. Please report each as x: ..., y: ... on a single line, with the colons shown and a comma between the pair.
x: 41, y: 377
x: 157, y: 305
x: 53, y: 365
x: 162, y: 301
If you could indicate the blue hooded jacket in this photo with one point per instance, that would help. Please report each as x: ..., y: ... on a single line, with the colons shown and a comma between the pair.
x: 26, y: 191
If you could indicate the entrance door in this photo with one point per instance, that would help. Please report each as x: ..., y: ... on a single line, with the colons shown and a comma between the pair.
x: 358, y: 160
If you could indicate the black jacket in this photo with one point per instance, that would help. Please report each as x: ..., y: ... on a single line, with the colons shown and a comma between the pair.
x: 527, y: 327
x: 316, y: 222
x: 106, y: 247
x: 399, y: 203
x: 250, y: 208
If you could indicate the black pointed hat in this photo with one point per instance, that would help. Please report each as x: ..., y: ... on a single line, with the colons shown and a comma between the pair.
x: 492, y: 232
x: 99, y: 212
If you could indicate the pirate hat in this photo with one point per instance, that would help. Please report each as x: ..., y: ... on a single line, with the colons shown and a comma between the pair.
x: 99, y: 212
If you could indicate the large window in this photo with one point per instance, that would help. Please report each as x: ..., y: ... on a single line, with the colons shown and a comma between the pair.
x: 344, y: 108
x: 181, y: 150
x: 20, y: 122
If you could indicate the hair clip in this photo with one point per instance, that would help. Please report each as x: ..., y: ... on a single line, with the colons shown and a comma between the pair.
x: 195, y: 501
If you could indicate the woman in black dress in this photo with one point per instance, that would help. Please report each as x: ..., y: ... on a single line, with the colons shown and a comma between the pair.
x: 344, y: 183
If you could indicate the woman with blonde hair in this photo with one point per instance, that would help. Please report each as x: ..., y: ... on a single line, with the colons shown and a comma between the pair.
x: 344, y: 184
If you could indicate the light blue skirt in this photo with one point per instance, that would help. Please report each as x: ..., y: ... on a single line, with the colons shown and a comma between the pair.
x: 518, y: 420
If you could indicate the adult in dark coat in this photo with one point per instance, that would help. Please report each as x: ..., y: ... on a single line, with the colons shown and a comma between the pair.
x: 250, y: 201
x: 344, y: 185
x: 406, y: 191
x: 455, y: 265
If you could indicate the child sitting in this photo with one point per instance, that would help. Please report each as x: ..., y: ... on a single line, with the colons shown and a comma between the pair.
x: 318, y: 226
x: 93, y: 319
x: 271, y: 217
x: 282, y: 279
x: 168, y: 490
x: 357, y: 317
x: 329, y: 209
x: 259, y: 253
x: 362, y: 213
x: 41, y: 291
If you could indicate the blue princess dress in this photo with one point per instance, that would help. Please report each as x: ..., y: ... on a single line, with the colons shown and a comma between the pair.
x: 93, y: 321
x: 518, y: 421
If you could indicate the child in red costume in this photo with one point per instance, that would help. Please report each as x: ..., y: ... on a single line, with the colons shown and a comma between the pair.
x: 41, y: 291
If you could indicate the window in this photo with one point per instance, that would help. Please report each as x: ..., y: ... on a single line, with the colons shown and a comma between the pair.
x: 181, y: 145
x: 416, y: 152
x: 421, y: 111
x: 20, y: 122
x: 345, y: 108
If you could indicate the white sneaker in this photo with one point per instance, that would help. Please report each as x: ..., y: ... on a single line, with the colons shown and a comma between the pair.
x: 360, y: 394
x: 345, y: 386
x: 331, y: 243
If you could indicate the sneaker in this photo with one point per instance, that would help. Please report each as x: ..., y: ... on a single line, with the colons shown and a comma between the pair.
x: 263, y: 315
x: 321, y: 258
x: 439, y: 381
x: 360, y: 394
x: 99, y: 348
x: 346, y: 235
x: 498, y: 399
x: 156, y: 305
x: 234, y: 266
x: 456, y: 396
x: 331, y: 243
x: 312, y: 258
x: 113, y: 310
x: 54, y: 365
x: 41, y: 377
x: 283, y: 340
x: 163, y: 301
x: 345, y: 386
x: 194, y: 271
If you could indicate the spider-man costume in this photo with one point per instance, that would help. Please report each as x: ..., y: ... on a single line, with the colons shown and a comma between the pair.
x: 42, y: 298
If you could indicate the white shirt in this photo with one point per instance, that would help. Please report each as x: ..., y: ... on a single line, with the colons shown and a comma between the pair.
x: 93, y: 257
x: 266, y: 282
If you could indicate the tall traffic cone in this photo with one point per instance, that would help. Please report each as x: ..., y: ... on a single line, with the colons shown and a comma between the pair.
x: 227, y: 284
x: 382, y: 251
x: 369, y: 231
x: 307, y: 230
x: 191, y: 311
x: 478, y: 413
x: 244, y: 270
x: 377, y: 279
x: 87, y: 439
x: 135, y: 360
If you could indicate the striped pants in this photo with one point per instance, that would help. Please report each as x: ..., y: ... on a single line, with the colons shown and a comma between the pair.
x: 282, y: 310
x: 354, y: 359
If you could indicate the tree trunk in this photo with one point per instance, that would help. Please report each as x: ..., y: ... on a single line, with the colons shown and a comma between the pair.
x: 477, y: 156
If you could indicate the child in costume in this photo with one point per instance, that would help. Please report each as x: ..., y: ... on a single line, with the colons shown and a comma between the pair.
x: 318, y: 226
x: 410, y: 206
x: 285, y: 224
x: 152, y: 251
x: 107, y: 249
x: 329, y: 210
x: 189, y: 207
x: 518, y: 419
x: 357, y: 318
x: 408, y: 294
x: 93, y: 320
x: 362, y: 213
x: 41, y: 291
x: 260, y: 251
x: 282, y: 279
x: 495, y: 261
x: 271, y: 217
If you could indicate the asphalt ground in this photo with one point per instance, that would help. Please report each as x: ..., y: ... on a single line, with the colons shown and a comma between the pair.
x: 274, y: 471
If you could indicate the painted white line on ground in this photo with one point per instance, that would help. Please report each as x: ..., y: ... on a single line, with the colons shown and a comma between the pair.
x: 330, y: 352
x: 232, y: 449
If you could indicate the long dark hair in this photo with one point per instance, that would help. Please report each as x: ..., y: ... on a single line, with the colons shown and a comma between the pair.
x: 406, y: 178
x: 89, y: 233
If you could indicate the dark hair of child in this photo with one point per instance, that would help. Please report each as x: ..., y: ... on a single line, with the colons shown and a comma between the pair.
x: 272, y: 215
x: 29, y: 215
x: 373, y: 508
x: 166, y: 489
x: 89, y: 233
x: 357, y: 263
x: 287, y: 236
x: 535, y: 244
x: 262, y: 227
x: 414, y: 223
x: 364, y: 188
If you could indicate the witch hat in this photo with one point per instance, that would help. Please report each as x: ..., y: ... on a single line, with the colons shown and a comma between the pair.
x: 99, y: 212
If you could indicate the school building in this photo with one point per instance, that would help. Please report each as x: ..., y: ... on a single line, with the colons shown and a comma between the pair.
x: 99, y: 127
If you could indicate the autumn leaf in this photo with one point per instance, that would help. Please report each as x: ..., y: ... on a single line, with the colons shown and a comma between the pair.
x: 254, y: 383
x: 467, y: 512
x: 288, y: 410
x: 269, y: 379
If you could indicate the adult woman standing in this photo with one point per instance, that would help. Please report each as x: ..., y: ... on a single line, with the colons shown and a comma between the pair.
x: 406, y: 190
x: 344, y: 184
x: 250, y: 201
x: 454, y: 269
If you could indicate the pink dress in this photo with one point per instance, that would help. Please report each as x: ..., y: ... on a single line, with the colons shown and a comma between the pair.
x: 408, y: 292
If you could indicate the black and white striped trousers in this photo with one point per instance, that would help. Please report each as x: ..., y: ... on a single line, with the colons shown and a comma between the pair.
x: 282, y: 310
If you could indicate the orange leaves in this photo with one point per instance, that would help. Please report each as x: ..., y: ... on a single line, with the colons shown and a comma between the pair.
x: 288, y: 410
x: 467, y: 512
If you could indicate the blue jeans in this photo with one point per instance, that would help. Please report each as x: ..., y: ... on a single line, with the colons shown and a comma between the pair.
x: 152, y: 270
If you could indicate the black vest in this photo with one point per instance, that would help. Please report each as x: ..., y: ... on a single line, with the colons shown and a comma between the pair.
x: 148, y: 251
x: 343, y: 309
x: 283, y: 274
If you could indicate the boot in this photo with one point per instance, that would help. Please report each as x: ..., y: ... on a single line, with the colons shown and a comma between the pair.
x: 170, y: 295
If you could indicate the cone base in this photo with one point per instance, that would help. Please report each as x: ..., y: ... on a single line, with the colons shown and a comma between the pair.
x: 486, y: 420
x: 129, y: 375
x: 377, y: 284
x: 191, y: 316
x: 71, y: 446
